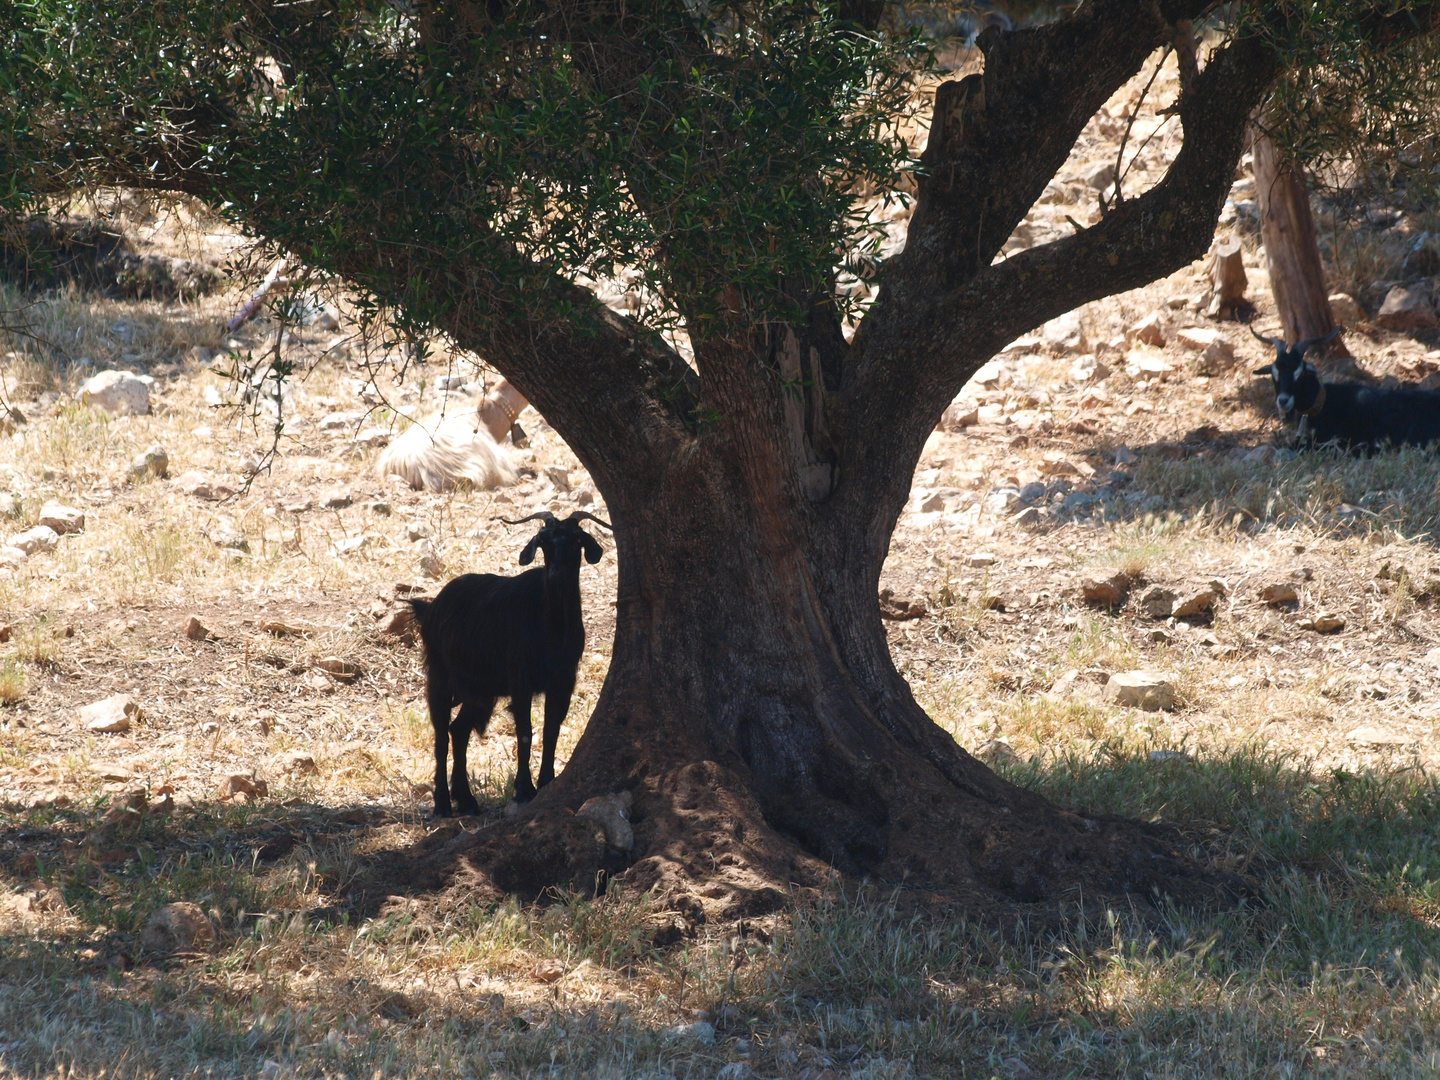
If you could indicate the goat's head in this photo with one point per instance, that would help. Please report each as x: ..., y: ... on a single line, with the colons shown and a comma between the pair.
x: 1297, y: 383
x: 561, y: 541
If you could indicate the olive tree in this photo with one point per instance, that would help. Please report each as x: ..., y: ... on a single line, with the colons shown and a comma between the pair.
x: 479, y: 166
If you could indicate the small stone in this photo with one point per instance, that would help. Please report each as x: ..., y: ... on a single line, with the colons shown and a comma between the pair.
x: 1158, y: 602
x: 11, y: 419
x: 1281, y: 592
x: 296, y: 763
x: 1101, y: 176
x: 224, y: 534
x: 1168, y: 756
x: 1326, y: 623
x: 1344, y: 309
x: 1105, y: 587
x: 997, y: 752
x: 243, y: 786
x: 336, y: 499
x: 12, y: 557
x: 178, y: 927
x: 1369, y: 735
x: 195, y: 630
x: 1196, y: 603
x: 1064, y: 333
x: 559, y: 476
x: 1158, y: 635
x: 1146, y: 363
x: 1029, y: 516
x: 1125, y: 456
x: 63, y: 519
x: 700, y: 1031
x: 1261, y: 455
x: 118, y: 392
x: 111, y: 715
x: 1201, y: 338
x: 612, y: 814
x: 1147, y: 690
x: 981, y: 560
x: 548, y: 971
x: 736, y: 1070
x: 298, y: 505
x: 112, y: 772
x: 31, y: 541
x: 1406, y: 309
x: 341, y: 421
x: 154, y: 462
x: 342, y: 670
x: 1433, y: 658
x: 1148, y: 331
x: 349, y: 545
x: 200, y: 486
x: 1003, y: 500
x: 957, y: 416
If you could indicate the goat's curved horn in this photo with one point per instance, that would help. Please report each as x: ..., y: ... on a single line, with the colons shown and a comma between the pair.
x: 1310, y: 343
x: 585, y: 515
x: 543, y: 515
x: 1279, y: 343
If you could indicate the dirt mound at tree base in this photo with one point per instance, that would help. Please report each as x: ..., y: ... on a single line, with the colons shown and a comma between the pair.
x: 705, y: 852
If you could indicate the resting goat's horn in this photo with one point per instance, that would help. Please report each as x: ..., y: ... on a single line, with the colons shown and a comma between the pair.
x: 1310, y: 343
x: 1279, y: 343
x: 543, y: 515
x: 585, y: 515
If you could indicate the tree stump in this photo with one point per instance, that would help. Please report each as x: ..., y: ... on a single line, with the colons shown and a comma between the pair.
x: 1227, y: 280
x: 1292, y: 251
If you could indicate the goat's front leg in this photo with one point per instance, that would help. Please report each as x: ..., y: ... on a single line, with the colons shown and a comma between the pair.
x: 437, y: 696
x: 557, y: 704
x: 520, y: 710
x: 474, y: 716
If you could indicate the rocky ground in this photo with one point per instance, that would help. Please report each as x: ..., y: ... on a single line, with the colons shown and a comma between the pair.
x: 1110, y: 548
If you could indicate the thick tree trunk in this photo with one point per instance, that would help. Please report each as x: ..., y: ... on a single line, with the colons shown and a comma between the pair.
x: 753, y: 710
x: 1227, y: 280
x: 1292, y: 250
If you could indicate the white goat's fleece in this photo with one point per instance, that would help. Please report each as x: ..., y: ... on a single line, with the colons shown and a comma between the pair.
x: 439, y: 453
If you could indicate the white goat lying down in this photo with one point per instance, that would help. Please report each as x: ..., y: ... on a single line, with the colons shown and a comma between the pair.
x: 462, y: 447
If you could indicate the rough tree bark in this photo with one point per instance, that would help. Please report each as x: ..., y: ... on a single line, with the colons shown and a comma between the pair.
x: 1227, y: 280
x: 1292, y: 249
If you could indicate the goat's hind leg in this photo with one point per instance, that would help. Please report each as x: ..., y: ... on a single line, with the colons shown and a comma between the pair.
x: 437, y: 696
x: 474, y: 716
x: 520, y: 710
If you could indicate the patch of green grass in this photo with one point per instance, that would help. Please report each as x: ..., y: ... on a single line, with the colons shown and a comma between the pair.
x: 13, y: 682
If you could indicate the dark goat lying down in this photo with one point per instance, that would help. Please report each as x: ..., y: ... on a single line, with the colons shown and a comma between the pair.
x: 1350, y: 414
x: 489, y: 637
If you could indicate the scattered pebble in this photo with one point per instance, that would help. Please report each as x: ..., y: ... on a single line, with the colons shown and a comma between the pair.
x: 1147, y: 690
x: 118, y: 392
x: 178, y: 927
x: 112, y: 715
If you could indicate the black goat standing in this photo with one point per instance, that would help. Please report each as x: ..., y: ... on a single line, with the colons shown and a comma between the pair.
x: 1347, y: 413
x: 489, y: 637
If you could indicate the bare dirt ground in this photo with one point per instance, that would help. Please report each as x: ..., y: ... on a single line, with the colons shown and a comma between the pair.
x: 285, y: 750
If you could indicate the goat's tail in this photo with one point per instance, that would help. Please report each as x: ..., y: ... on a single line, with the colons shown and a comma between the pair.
x: 418, y: 610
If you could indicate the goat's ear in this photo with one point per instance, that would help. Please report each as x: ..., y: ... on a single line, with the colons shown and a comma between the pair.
x: 1268, y: 369
x: 528, y: 555
x: 591, y: 546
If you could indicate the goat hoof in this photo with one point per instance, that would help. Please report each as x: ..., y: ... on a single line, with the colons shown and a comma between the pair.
x: 470, y: 809
x: 523, y: 797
